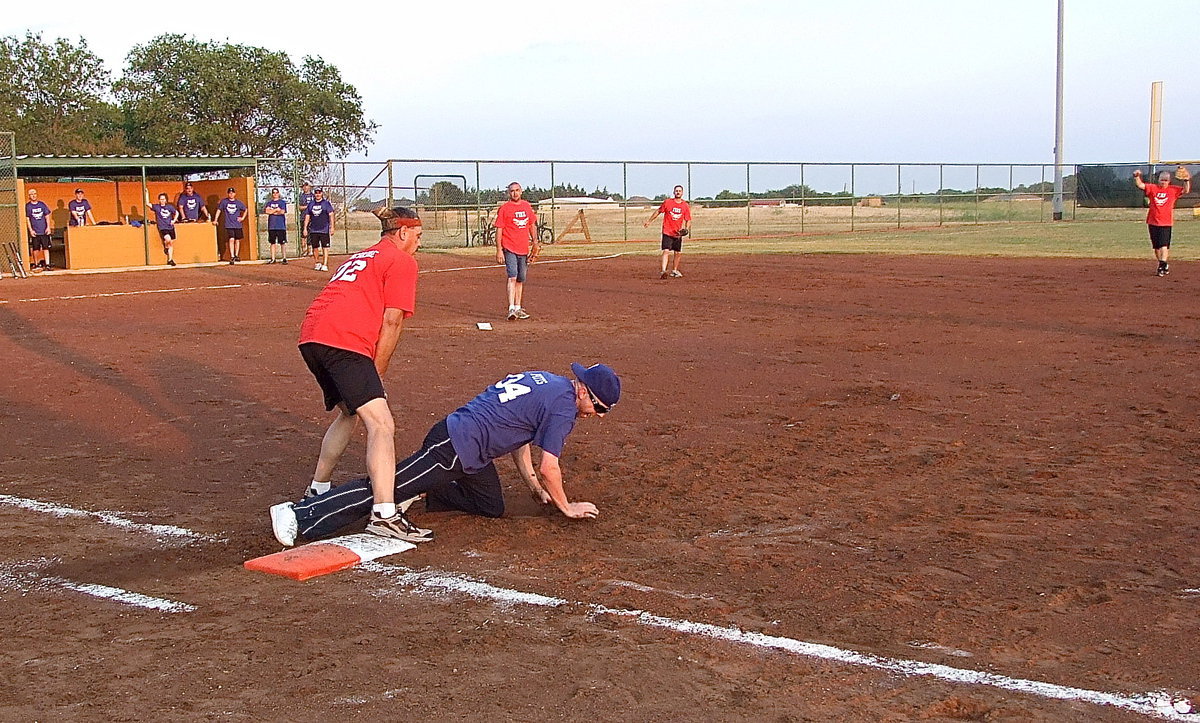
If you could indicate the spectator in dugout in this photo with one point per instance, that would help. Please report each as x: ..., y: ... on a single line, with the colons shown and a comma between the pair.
x: 80, y: 210
x: 191, y: 205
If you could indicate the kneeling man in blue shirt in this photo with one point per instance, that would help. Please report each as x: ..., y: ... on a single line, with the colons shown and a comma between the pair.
x: 454, y: 468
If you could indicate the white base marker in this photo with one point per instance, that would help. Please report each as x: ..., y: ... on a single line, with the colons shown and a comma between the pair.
x: 1148, y: 704
x: 107, y: 518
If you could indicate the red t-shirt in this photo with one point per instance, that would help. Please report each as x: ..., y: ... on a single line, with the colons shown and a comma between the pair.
x: 515, y: 219
x: 674, y: 212
x: 1162, y: 204
x: 348, y: 312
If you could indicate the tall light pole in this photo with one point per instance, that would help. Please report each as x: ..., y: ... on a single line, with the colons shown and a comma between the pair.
x: 1058, y: 122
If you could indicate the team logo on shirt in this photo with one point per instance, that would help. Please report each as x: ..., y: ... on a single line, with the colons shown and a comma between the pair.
x: 37, y: 213
x: 1161, y: 198
x: 521, y: 219
x: 676, y: 213
x: 165, y: 213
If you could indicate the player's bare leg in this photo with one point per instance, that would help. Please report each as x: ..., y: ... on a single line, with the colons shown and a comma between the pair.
x: 325, y: 267
x: 675, y: 263
x: 381, y: 450
x: 666, y: 255
x: 334, y: 443
x: 513, y: 285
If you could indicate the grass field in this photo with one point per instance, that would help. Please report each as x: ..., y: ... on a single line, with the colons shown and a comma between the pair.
x: 1002, y: 229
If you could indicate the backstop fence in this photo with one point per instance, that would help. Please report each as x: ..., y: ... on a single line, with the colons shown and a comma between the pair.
x: 612, y: 199
x: 10, y: 205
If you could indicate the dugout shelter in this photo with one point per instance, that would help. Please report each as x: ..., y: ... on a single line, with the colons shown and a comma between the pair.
x: 116, y: 186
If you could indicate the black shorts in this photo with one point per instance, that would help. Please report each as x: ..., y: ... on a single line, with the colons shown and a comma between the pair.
x: 345, y: 377
x: 277, y: 235
x: 672, y: 243
x: 165, y: 233
x: 234, y: 233
x: 1160, y: 236
x: 40, y: 242
x: 316, y: 239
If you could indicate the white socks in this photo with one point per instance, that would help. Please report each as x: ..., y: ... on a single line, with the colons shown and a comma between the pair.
x: 319, y: 487
x: 384, y: 509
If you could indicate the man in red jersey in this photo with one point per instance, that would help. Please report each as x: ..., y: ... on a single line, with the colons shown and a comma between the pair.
x: 347, y: 339
x: 1161, y: 217
x: 676, y: 223
x: 516, y: 246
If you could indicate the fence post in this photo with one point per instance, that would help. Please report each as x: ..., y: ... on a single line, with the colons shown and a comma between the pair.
x: 553, y: 202
x: 941, y: 185
x: 747, y: 199
x: 976, y: 194
x: 899, y: 193
x: 852, y: 194
x: 298, y: 211
x: 390, y: 198
x: 625, y: 195
x: 803, y: 197
x: 345, y: 210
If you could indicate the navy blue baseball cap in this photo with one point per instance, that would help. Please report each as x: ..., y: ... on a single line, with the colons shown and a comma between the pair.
x: 601, y: 381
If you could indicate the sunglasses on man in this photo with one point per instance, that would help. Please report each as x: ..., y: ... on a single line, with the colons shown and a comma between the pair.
x: 597, y: 404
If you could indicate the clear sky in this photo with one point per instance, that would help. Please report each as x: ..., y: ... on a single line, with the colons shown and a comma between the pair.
x: 798, y: 80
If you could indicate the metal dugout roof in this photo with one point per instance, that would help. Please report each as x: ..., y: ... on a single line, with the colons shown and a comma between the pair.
x: 119, y: 165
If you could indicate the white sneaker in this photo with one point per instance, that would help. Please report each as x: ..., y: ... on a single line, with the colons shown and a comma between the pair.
x: 284, y: 523
x: 317, y: 267
x: 676, y: 275
x: 324, y: 267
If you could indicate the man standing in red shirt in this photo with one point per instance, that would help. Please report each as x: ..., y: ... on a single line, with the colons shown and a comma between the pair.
x: 1161, y: 217
x: 347, y: 339
x: 516, y: 245
x: 677, y: 223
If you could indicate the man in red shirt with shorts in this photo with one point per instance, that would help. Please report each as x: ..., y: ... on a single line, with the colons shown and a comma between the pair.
x: 347, y: 339
x: 1161, y: 216
x: 677, y: 223
x: 516, y: 246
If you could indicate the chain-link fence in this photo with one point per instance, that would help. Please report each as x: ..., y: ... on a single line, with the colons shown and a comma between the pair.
x: 11, y: 236
x: 609, y: 201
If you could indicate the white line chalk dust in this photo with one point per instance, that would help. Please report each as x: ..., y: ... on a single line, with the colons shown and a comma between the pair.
x: 134, y: 293
x: 26, y: 575
x: 1149, y: 704
x: 107, y: 518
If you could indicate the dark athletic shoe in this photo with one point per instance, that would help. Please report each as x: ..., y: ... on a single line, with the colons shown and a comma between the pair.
x: 512, y: 314
x: 398, y: 527
x: 521, y: 313
x: 170, y: 262
x: 664, y: 275
x: 283, y: 261
x: 1166, y: 269
x: 231, y: 262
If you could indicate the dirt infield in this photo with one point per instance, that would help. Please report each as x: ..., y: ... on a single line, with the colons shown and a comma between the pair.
x: 983, y: 463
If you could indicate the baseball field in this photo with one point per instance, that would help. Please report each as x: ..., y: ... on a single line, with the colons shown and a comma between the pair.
x: 889, y: 487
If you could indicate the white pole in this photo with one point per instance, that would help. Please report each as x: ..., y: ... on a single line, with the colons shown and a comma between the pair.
x: 1058, y: 122
x: 1155, y: 121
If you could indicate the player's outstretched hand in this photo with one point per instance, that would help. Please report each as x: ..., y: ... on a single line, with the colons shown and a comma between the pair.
x: 540, y: 495
x: 581, y: 510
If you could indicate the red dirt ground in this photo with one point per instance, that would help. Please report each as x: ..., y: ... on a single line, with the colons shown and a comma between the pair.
x: 986, y: 463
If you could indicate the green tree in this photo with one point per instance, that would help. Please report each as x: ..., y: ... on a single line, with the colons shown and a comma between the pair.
x: 180, y: 95
x: 55, y: 97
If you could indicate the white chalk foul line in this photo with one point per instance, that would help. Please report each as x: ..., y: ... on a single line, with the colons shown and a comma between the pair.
x: 107, y: 518
x: 26, y: 575
x: 135, y: 293
x: 124, y: 597
x: 1150, y: 704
